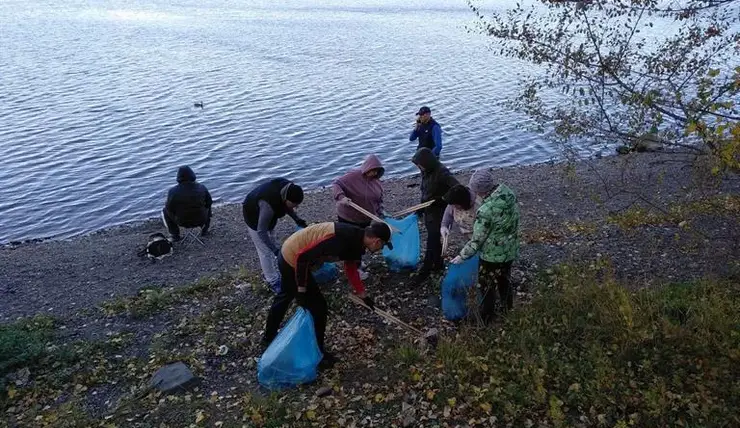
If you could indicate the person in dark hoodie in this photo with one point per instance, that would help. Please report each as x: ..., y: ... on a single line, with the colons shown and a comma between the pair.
x: 428, y: 131
x: 188, y: 205
x: 262, y: 208
x: 436, y: 181
x: 363, y: 187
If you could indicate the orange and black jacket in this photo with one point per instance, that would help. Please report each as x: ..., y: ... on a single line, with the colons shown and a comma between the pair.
x: 325, y: 242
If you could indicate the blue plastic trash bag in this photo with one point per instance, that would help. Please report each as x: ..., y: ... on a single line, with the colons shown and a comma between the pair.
x: 459, y: 279
x: 293, y: 357
x: 405, y: 253
x: 327, y: 272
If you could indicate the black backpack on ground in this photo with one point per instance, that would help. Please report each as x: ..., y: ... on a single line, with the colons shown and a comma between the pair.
x: 157, y: 248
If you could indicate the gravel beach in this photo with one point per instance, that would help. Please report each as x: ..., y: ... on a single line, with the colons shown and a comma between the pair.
x: 566, y: 212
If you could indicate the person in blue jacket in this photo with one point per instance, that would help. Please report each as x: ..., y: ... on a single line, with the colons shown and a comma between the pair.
x: 428, y: 131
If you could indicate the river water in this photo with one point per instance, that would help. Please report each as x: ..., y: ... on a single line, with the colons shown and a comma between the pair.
x: 97, y: 108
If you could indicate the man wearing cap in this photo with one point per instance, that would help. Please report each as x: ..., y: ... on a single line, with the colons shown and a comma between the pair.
x: 309, y: 248
x: 428, y: 131
x: 262, y: 208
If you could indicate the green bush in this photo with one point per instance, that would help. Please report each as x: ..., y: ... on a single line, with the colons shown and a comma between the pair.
x: 589, y: 352
x: 22, y: 344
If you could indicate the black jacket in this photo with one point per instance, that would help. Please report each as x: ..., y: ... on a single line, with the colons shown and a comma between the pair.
x: 436, y: 179
x: 189, y: 203
x: 270, y: 192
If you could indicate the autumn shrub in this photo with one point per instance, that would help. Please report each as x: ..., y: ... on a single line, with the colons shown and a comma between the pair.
x: 22, y: 344
x: 587, y: 352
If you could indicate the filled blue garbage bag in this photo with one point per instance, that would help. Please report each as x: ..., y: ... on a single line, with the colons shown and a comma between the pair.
x: 327, y: 272
x: 459, y: 279
x: 293, y: 357
x: 406, y: 248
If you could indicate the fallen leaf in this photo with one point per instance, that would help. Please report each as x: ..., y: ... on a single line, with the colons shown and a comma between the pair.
x: 486, y: 407
x: 199, y: 416
x: 11, y: 392
x: 310, y: 415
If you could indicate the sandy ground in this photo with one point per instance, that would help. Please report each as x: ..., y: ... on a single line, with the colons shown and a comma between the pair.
x: 564, y: 218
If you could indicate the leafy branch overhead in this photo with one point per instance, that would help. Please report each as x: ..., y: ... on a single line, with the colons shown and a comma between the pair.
x: 620, y: 69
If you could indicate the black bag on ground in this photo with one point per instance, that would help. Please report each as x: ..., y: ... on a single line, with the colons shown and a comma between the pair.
x: 158, y: 247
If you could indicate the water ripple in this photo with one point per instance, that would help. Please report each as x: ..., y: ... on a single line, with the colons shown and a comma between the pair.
x: 98, y: 108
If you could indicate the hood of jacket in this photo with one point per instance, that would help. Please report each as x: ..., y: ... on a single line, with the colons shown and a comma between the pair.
x: 372, y: 162
x: 185, y: 175
x: 365, y: 192
x: 425, y: 158
x: 504, y: 194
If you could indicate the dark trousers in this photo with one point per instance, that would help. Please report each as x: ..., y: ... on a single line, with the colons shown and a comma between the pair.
x: 433, y: 222
x: 174, y: 229
x: 495, y: 277
x: 315, y: 304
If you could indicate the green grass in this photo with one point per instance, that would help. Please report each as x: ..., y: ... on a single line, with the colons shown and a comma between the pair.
x: 586, y: 351
x: 23, y: 343
x: 150, y: 301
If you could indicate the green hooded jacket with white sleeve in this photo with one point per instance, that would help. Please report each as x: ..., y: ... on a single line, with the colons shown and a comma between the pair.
x: 496, y: 228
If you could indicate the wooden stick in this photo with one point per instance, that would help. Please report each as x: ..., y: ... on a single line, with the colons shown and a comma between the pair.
x: 386, y: 315
x: 371, y: 215
x: 444, y: 244
x: 414, y: 208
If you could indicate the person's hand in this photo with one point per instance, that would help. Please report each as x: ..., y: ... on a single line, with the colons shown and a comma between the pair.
x: 300, y: 298
x: 301, y: 223
x: 444, y: 231
x: 457, y: 260
x: 344, y: 200
x: 369, y: 302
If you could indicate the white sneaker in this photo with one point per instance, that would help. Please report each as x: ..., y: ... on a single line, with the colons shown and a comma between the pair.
x: 363, y: 275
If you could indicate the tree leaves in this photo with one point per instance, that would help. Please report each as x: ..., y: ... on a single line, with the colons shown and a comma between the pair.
x: 623, y: 72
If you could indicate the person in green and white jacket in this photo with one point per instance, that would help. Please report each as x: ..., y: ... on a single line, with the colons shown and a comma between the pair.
x: 496, y: 239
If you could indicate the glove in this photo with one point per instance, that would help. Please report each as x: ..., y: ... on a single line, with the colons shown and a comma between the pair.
x: 369, y: 302
x: 444, y: 231
x: 300, y: 299
x: 301, y: 222
x: 457, y: 260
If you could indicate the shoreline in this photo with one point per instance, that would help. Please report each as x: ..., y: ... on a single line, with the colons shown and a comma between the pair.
x: 307, y: 191
x: 565, y: 209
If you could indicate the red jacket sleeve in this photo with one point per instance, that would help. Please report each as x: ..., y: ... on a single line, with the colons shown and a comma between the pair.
x: 353, y: 275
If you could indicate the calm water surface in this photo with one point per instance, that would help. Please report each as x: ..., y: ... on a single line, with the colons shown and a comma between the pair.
x: 97, y: 100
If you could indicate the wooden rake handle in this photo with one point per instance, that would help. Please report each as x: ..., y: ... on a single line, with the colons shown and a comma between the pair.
x: 370, y: 215
x: 414, y: 208
x: 386, y: 315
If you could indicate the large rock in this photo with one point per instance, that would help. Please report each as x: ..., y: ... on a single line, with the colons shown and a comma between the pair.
x: 173, y: 377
